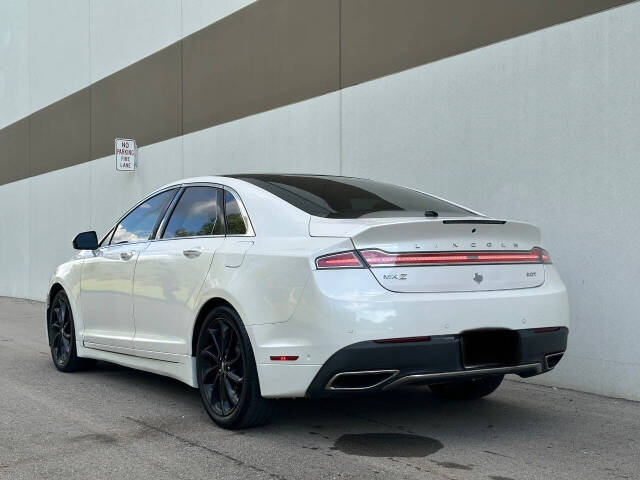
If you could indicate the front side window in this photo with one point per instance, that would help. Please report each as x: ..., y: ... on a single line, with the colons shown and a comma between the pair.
x: 237, y: 222
x: 195, y: 215
x: 140, y: 222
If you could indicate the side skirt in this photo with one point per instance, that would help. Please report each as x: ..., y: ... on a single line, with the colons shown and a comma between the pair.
x: 180, y: 367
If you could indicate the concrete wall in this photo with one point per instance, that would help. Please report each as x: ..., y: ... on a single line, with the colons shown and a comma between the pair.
x: 542, y: 128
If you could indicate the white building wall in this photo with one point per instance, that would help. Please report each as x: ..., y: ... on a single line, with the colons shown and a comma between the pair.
x: 14, y: 61
x: 542, y: 128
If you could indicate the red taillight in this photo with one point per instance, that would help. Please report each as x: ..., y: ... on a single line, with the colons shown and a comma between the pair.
x: 339, y: 260
x: 283, y: 358
x: 378, y: 258
x: 544, y: 255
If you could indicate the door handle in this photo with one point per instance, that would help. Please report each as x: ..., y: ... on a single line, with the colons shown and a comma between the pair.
x: 193, y: 253
x: 126, y: 255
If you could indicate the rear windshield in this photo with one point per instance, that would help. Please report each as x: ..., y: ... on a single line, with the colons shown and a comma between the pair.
x: 345, y: 197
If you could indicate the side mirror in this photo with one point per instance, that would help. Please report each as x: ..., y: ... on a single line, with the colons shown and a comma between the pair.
x: 86, y: 241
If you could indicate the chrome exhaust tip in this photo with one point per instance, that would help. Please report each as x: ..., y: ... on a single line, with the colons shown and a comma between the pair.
x: 552, y: 359
x: 363, y: 380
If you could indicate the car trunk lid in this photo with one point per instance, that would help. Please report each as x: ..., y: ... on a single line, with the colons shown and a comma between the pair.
x: 446, y: 255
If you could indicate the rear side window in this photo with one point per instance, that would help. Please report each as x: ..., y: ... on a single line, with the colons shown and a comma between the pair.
x: 346, y: 197
x: 195, y: 215
x: 140, y: 222
x: 237, y: 222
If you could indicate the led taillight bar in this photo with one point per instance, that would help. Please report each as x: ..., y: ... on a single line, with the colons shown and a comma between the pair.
x: 379, y: 258
x: 339, y: 260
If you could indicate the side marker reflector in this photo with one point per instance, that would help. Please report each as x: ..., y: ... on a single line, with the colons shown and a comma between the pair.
x: 283, y: 358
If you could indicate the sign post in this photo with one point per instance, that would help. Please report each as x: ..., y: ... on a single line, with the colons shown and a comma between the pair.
x: 126, y: 153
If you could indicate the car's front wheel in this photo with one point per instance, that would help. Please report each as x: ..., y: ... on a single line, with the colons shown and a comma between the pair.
x: 62, y: 336
x: 227, y: 374
x: 467, y: 389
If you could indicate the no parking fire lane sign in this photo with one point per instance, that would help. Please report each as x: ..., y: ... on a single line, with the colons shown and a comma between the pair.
x: 126, y: 151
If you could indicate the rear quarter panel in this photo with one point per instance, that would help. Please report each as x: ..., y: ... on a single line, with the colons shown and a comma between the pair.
x: 266, y: 287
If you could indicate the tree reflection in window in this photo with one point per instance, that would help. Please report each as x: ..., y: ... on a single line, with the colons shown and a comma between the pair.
x: 195, y: 215
x: 236, y: 223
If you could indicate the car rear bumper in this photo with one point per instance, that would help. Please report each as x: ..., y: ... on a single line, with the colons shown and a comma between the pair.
x: 371, y: 366
x: 340, y: 309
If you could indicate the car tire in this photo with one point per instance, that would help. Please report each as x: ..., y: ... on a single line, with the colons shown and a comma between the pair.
x: 227, y: 374
x: 62, y: 336
x: 467, y: 389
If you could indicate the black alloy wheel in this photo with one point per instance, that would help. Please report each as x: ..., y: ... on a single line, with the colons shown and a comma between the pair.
x: 60, y: 331
x: 62, y: 338
x: 226, y: 372
x: 221, y: 366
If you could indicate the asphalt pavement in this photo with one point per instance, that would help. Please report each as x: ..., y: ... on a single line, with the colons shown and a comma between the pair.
x: 114, y: 422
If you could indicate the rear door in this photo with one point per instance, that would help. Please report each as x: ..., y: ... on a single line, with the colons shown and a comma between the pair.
x: 171, y: 271
x: 107, y: 277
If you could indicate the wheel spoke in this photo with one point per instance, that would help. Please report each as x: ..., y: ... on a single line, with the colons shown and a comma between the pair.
x: 63, y: 309
x: 224, y: 340
x: 66, y: 345
x: 208, y: 391
x: 221, y: 392
x: 231, y: 344
x: 213, y: 386
x: 61, y: 313
x: 208, y: 372
x: 216, y: 344
x: 207, y: 354
x: 234, y: 377
x: 56, y: 339
x: 59, y: 319
x: 231, y: 393
x: 236, y: 357
x: 59, y: 350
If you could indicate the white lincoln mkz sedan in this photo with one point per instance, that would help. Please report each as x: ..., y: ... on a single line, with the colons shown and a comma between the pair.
x: 254, y: 287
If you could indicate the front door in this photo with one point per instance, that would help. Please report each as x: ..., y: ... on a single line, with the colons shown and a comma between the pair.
x: 172, y: 270
x: 107, y: 277
x: 107, y: 282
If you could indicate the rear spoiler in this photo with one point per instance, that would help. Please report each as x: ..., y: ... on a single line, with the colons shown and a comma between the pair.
x: 475, y: 222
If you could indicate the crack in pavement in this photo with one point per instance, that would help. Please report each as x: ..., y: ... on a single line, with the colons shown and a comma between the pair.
x: 213, y: 451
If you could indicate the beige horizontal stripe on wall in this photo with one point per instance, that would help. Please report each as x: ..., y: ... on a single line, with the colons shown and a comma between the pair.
x: 269, y: 54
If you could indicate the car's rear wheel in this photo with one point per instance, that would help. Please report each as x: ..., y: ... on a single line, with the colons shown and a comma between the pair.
x: 467, y: 389
x: 62, y: 336
x: 227, y: 374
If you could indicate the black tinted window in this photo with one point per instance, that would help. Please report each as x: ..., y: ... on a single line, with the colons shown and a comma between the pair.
x: 196, y: 214
x: 236, y: 223
x: 139, y: 224
x: 345, y: 197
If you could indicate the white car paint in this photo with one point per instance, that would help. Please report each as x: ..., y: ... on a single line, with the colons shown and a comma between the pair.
x: 140, y: 309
